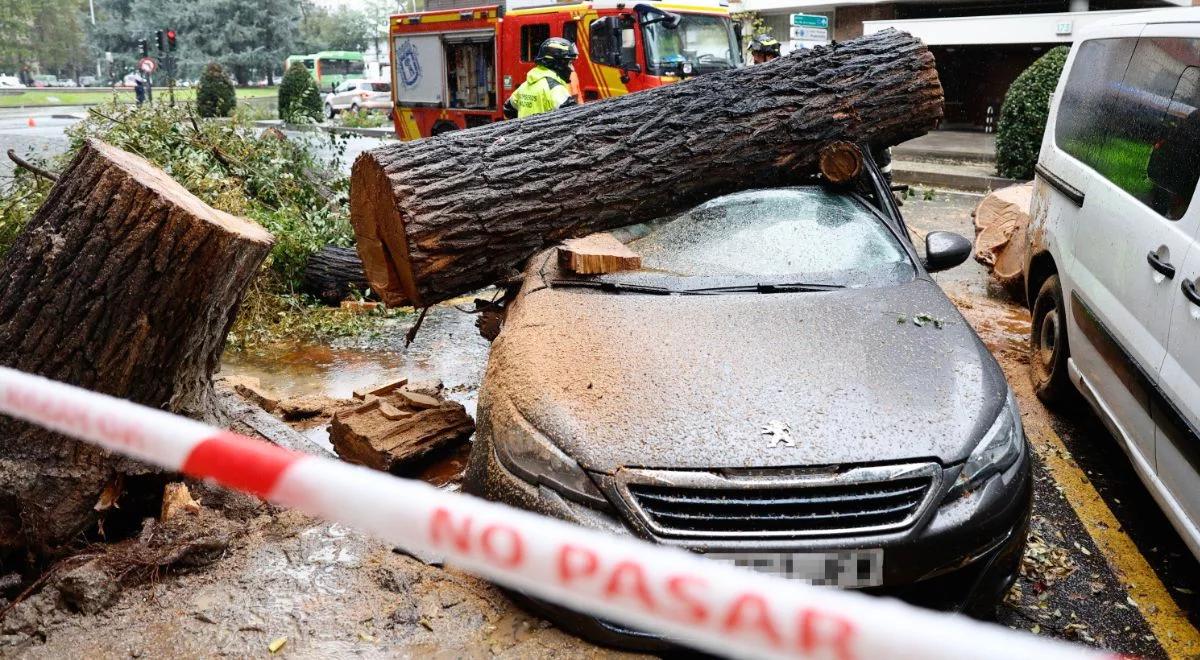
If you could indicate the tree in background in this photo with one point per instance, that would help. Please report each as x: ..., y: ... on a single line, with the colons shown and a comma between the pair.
x: 215, y: 96
x: 1023, y: 115
x: 45, y: 34
x: 251, y: 39
x: 299, y: 101
x: 339, y: 29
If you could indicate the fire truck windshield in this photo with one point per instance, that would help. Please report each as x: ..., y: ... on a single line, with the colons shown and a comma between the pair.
x: 699, y: 44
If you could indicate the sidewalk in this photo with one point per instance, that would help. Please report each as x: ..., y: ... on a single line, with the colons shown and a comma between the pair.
x: 949, y: 145
x: 960, y: 160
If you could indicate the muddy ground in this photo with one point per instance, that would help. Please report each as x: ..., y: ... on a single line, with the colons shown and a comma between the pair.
x: 327, y: 591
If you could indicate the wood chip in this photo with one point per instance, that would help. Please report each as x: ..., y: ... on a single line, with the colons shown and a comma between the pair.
x: 597, y: 254
x: 418, y: 400
x: 177, y: 499
x: 380, y: 390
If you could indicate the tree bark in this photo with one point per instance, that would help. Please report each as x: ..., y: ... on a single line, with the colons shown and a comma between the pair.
x: 126, y: 284
x: 332, y: 272
x: 439, y: 217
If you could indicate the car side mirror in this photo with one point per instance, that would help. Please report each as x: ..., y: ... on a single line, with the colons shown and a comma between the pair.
x: 945, y: 250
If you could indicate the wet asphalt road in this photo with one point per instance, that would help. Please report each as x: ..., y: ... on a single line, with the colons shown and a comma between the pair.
x: 1104, y: 566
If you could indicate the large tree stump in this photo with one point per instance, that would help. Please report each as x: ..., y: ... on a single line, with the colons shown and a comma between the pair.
x: 439, y: 217
x: 123, y: 283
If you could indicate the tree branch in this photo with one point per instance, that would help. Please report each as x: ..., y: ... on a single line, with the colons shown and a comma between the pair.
x: 22, y: 163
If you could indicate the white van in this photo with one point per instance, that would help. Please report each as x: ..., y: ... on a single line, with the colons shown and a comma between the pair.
x: 1112, y: 258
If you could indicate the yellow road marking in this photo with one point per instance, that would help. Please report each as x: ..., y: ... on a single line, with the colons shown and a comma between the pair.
x: 1177, y: 636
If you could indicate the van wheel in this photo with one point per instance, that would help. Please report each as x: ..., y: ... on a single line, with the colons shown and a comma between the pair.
x: 1048, y: 347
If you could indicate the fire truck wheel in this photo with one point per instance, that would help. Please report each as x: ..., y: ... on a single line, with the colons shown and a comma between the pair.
x: 443, y: 127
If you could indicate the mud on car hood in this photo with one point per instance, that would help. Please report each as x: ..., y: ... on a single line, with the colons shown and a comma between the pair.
x: 725, y: 381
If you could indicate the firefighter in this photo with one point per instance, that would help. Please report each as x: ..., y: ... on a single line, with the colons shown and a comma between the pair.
x: 546, y: 87
x: 764, y: 48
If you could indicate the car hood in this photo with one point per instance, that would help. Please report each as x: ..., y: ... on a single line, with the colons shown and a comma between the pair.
x: 728, y: 380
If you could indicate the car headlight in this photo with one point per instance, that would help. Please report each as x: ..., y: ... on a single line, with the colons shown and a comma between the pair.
x: 996, y: 452
x: 529, y: 454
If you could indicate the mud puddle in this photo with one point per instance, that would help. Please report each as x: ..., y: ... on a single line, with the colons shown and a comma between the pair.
x: 447, y: 348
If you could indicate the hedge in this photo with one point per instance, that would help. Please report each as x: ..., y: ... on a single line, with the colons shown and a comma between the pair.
x: 1023, y: 115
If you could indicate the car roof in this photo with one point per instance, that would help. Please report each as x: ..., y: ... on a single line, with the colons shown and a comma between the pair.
x: 1148, y: 17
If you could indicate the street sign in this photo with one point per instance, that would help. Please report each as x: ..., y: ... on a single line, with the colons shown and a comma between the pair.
x: 810, y: 20
x: 147, y: 65
x: 810, y: 34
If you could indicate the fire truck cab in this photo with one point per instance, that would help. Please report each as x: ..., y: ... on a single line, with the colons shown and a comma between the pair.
x: 454, y: 68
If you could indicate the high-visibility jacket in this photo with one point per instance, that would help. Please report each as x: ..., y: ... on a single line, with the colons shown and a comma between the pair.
x: 542, y: 91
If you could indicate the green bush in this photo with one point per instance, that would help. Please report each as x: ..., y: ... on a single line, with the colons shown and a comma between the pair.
x: 1023, y: 115
x: 299, y: 100
x: 215, y: 96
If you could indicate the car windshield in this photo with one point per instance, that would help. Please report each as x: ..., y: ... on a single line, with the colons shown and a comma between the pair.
x: 810, y: 235
x: 706, y: 42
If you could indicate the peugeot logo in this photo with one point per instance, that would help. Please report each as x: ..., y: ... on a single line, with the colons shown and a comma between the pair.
x: 777, y: 433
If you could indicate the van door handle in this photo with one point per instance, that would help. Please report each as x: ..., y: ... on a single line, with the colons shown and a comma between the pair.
x: 1190, y: 292
x: 1161, y: 266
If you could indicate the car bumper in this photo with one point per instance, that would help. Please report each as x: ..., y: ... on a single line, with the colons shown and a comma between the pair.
x: 961, y: 556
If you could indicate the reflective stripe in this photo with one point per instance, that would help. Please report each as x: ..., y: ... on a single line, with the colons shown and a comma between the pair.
x: 541, y: 92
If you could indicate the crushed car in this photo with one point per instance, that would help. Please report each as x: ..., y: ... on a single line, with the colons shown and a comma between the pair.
x: 781, y: 385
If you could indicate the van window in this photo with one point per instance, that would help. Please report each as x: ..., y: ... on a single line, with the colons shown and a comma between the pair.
x: 1081, y: 125
x: 1137, y: 128
x: 532, y: 37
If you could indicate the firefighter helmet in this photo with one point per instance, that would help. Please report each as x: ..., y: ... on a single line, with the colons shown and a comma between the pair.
x: 557, y: 54
x: 765, y: 44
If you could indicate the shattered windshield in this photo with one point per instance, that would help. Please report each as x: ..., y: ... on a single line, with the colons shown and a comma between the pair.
x: 810, y: 234
x: 706, y: 42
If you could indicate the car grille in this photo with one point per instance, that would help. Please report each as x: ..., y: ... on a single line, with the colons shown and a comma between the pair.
x: 710, y: 505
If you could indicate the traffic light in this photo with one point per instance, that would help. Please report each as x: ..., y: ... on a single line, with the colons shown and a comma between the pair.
x: 144, y: 47
x: 160, y: 39
x: 171, y: 40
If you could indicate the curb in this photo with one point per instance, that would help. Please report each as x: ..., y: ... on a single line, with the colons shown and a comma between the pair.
x: 960, y: 180
x: 336, y: 130
x: 942, y: 155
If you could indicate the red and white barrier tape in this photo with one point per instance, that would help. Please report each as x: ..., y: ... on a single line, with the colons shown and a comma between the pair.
x: 719, y: 608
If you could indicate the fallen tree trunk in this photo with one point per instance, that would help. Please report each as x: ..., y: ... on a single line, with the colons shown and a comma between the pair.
x: 332, y: 273
x: 439, y: 217
x: 123, y: 283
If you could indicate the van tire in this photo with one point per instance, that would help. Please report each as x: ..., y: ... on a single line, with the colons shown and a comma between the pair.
x: 1048, y: 346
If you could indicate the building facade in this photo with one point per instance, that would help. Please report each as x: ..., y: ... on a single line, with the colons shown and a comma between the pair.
x: 980, y: 46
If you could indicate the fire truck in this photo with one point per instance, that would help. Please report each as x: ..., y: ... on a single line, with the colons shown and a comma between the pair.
x: 454, y: 67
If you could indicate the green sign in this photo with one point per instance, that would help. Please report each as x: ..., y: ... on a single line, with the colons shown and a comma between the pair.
x: 810, y: 20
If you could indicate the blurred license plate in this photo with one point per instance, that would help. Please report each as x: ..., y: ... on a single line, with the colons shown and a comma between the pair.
x: 842, y: 568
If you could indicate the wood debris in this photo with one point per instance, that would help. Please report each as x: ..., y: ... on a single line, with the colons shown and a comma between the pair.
x: 177, y: 499
x: 395, y: 425
x: 597, y: 254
